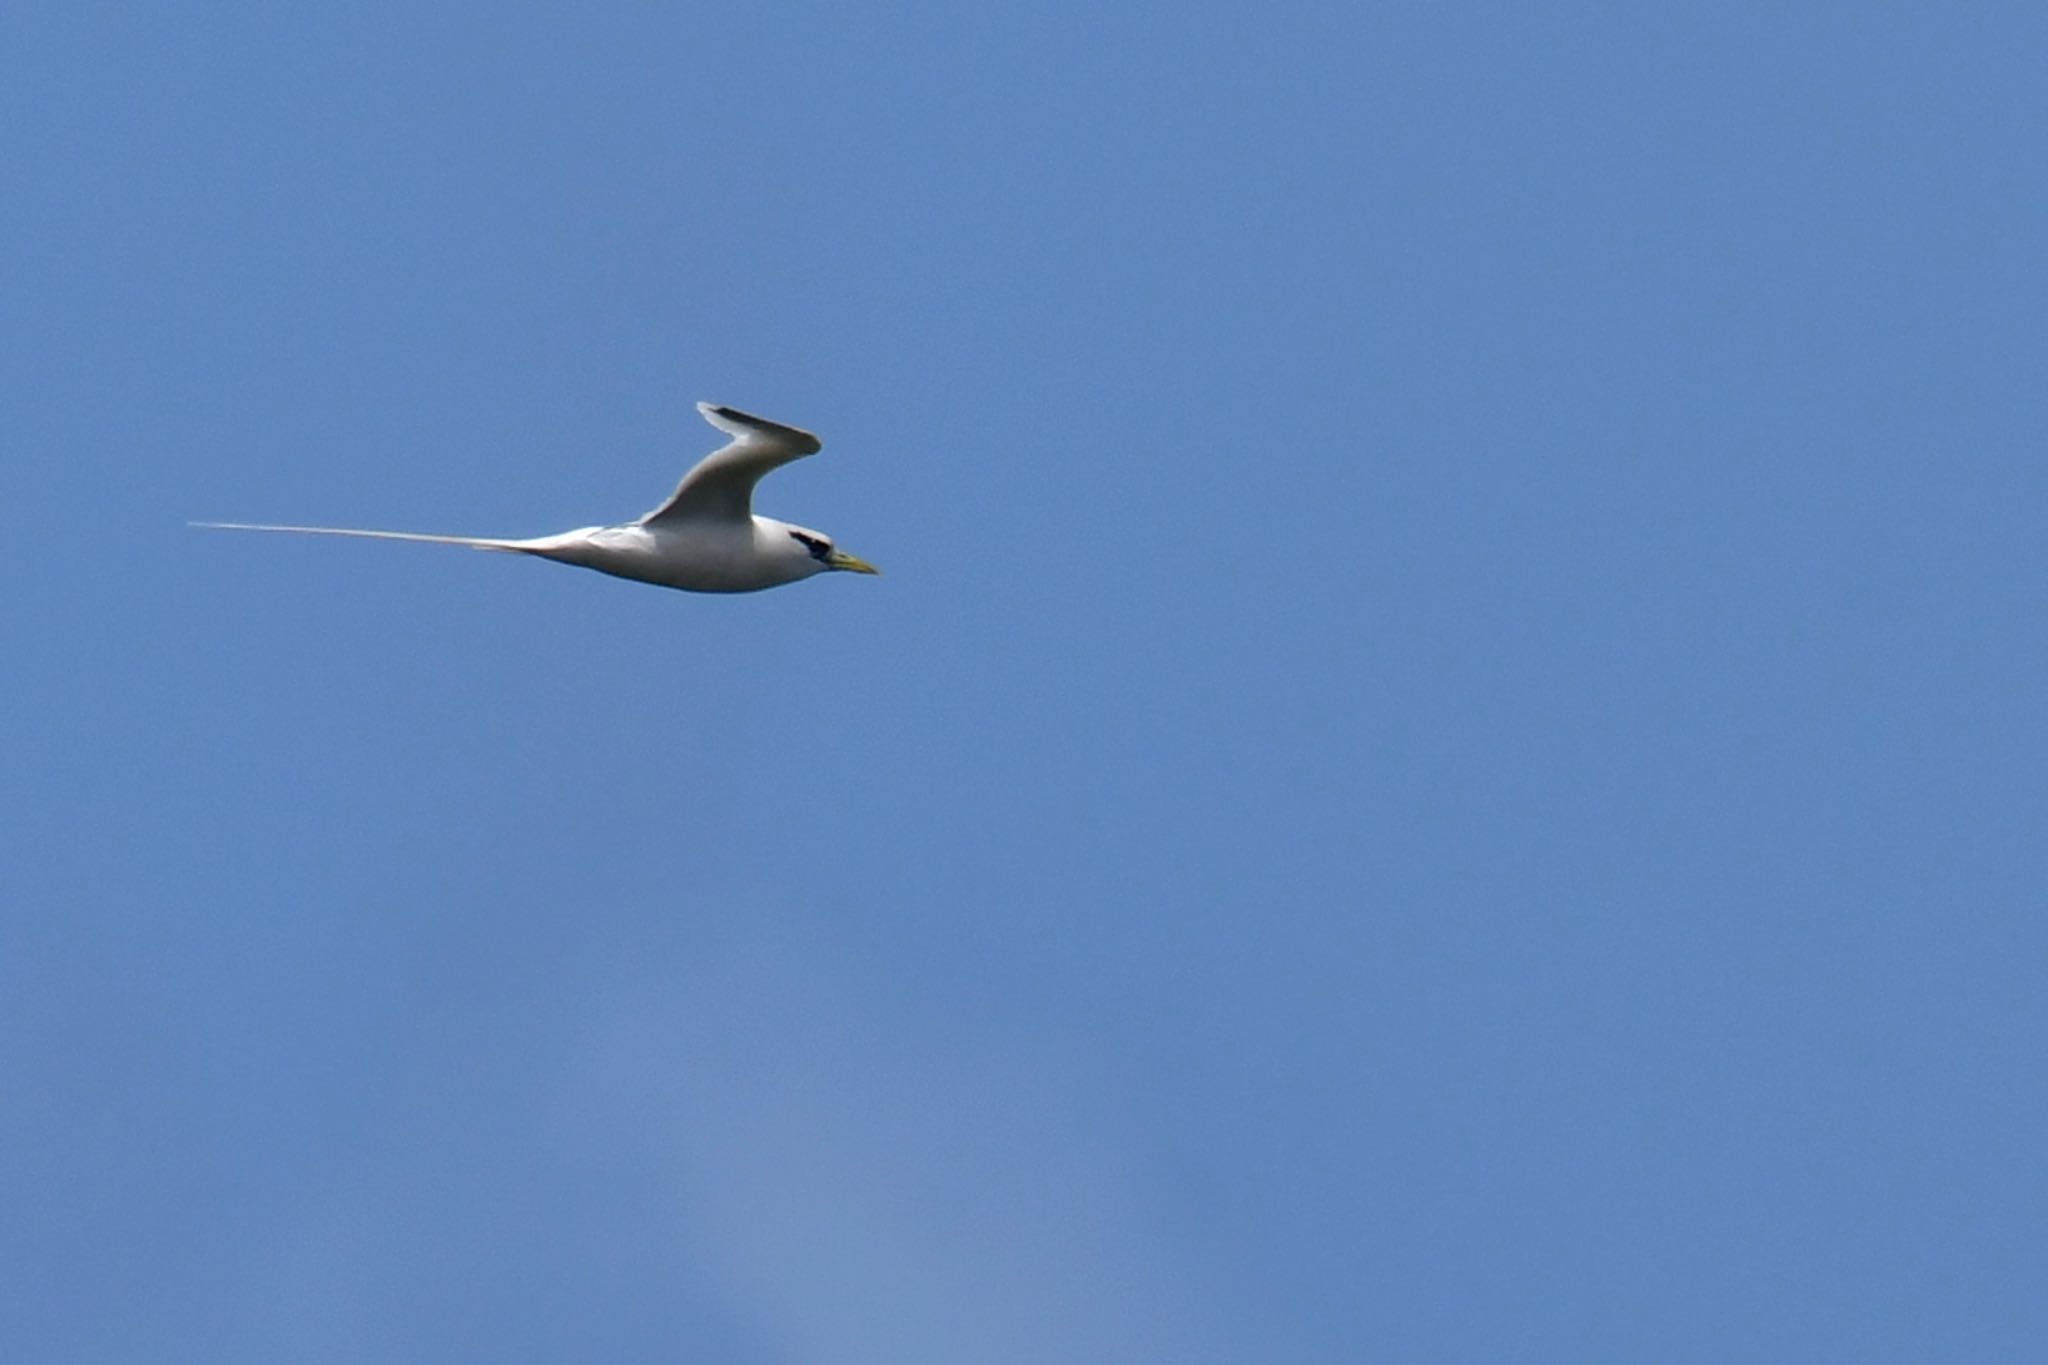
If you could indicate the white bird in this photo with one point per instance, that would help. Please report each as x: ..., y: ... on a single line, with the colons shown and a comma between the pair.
x: 705, y: 538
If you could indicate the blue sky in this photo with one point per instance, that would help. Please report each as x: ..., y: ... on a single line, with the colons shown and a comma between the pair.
x: 1447, y: 766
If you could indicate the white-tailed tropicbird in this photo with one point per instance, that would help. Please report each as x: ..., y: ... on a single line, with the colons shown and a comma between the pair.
x: 705, y: 538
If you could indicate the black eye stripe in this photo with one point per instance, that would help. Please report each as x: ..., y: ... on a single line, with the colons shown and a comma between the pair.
x: 817, y: 545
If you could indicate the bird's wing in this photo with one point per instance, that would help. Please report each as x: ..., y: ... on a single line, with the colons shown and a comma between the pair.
x: 721, y: 487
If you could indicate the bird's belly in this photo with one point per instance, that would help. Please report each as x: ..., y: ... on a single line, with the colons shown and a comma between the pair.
x: 691, y: 562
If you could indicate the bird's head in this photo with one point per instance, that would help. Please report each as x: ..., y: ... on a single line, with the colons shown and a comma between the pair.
x: 819, y: 548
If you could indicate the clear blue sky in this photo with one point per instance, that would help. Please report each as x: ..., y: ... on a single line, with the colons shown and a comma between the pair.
x: 1448, y: 765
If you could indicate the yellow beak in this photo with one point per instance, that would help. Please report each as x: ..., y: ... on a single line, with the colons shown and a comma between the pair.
x: 839, y: 559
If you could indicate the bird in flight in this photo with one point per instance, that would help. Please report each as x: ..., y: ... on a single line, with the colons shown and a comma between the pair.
x: 705, y: 538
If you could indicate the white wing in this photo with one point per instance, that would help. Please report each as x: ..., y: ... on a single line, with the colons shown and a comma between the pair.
x: 721, y: 487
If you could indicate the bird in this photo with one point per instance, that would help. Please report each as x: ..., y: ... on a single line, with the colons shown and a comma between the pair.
x: 705, y: 538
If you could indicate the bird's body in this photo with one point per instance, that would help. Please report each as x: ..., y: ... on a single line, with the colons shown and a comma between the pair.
x: 705, y: 538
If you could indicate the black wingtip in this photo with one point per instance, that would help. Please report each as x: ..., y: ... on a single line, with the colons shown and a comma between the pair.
x: 796, y: 436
